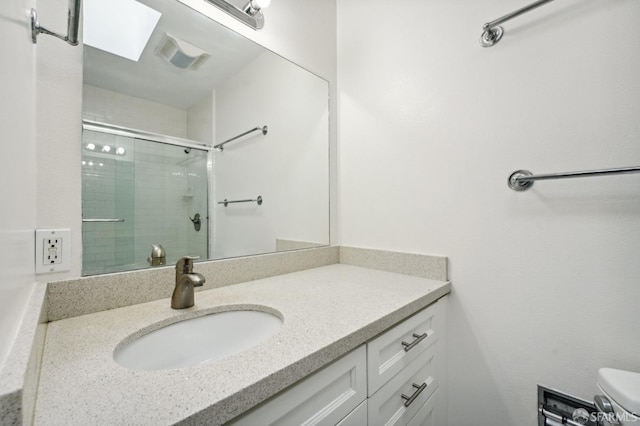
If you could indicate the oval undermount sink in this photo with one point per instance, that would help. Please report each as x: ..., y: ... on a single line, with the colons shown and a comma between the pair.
x: 198, y: 340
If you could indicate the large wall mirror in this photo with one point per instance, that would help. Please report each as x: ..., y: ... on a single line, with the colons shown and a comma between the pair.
x: 155, y: 107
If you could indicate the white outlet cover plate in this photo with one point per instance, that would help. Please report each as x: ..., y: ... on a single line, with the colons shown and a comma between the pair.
x: 65, y: 264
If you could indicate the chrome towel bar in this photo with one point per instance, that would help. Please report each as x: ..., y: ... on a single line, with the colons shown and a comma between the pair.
x: 102, y: 220
x: 521, y: 180
x: 263, y: 129
x: 73, y: 23
x: 227, y: 202
x: 493, y: 31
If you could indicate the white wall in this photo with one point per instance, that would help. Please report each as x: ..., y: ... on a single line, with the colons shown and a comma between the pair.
x: 58, y: 132
x: 287, y: 167
x: 200, y: 120
x: 431, y: 125
x: 303, y: 32
x: 17, y: 168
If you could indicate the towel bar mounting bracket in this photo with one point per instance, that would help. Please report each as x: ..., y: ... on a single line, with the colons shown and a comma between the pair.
x: 516, y: 183
x: 491, y: 36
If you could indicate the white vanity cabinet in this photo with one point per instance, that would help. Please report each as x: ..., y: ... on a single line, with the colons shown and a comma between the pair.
x: 392, y: 380
x: 398, y: 401
x: 357, y: 417
x: 430, y: 414
x: 324, y: 398
x: 397, y: 347
x: 404, y: 369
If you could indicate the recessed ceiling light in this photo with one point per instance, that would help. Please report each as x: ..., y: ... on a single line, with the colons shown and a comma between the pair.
x: 121, y: 27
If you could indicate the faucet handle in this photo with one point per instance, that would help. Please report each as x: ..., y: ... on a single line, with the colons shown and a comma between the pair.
x: 157, y: 251
x: 185, y: 264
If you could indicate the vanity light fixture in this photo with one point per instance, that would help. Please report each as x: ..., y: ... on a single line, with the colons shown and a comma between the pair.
x: 253, y: 6
x: 250, y: 14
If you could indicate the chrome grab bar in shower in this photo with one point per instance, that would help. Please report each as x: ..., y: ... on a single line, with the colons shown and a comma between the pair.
x: 521, y: 180
x: 492, y: 31
x: 73, y: 23
x: 263, y: 129
x: 227, y: 202
x: 103, y: 220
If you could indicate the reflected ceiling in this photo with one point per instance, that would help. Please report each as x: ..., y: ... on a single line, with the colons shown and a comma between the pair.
x: 180, y: 88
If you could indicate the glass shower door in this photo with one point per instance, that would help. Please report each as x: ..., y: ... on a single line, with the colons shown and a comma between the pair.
x: 171, y: 188
x: 136, y: 193
x: 108, y: 200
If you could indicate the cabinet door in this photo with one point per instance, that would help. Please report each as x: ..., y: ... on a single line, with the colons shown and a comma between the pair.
x: 357, y: 417
x: 324, y: 398
x: 400, y: 399
x: 396, y: 348
x: 428, y: 414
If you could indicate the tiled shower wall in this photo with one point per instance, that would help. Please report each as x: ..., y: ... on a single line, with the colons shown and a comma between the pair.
x: 107, y: 106
x: 107, y: 193
x: 154, y: 187
x: 170, y: 188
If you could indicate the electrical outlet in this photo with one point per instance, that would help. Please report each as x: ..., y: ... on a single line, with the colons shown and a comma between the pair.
x: 53, y: 250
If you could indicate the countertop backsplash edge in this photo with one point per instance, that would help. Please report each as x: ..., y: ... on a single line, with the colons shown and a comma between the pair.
x: 414, y: 264
x: 86, y: 295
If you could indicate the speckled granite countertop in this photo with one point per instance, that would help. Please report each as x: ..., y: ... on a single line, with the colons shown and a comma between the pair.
x: 328, y: 311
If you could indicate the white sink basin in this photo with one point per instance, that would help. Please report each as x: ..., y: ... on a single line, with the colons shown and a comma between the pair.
x: 198, y: 340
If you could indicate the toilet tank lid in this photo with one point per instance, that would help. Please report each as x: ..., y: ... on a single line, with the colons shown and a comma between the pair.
x: 621, y: 386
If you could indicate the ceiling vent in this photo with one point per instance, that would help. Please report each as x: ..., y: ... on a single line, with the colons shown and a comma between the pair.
x: 180, y: 53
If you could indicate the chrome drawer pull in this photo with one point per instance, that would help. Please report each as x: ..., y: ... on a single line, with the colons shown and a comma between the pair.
x: 410, y: 399
x: 419, y: 338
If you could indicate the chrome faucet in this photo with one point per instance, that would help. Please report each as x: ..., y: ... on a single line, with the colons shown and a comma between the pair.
x: 186, y: 280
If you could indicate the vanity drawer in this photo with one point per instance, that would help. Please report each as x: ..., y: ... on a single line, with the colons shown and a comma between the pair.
x: 398, y: 401
x: 396, y: 348
x: 324, y: 398
x: 357, y: 417
x: 429, y: 414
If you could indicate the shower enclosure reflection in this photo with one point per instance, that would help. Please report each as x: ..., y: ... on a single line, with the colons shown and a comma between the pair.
x: 200, y: 84
x: 137, y: 193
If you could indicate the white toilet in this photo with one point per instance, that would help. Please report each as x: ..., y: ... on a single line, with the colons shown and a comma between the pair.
x: 619, y: 403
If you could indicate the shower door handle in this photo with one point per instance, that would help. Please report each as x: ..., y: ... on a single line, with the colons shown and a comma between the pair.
x: 196, y: 221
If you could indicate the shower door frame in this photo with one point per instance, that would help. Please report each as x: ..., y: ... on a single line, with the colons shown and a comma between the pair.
x: 97, y: 126
x: 112, y: 129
